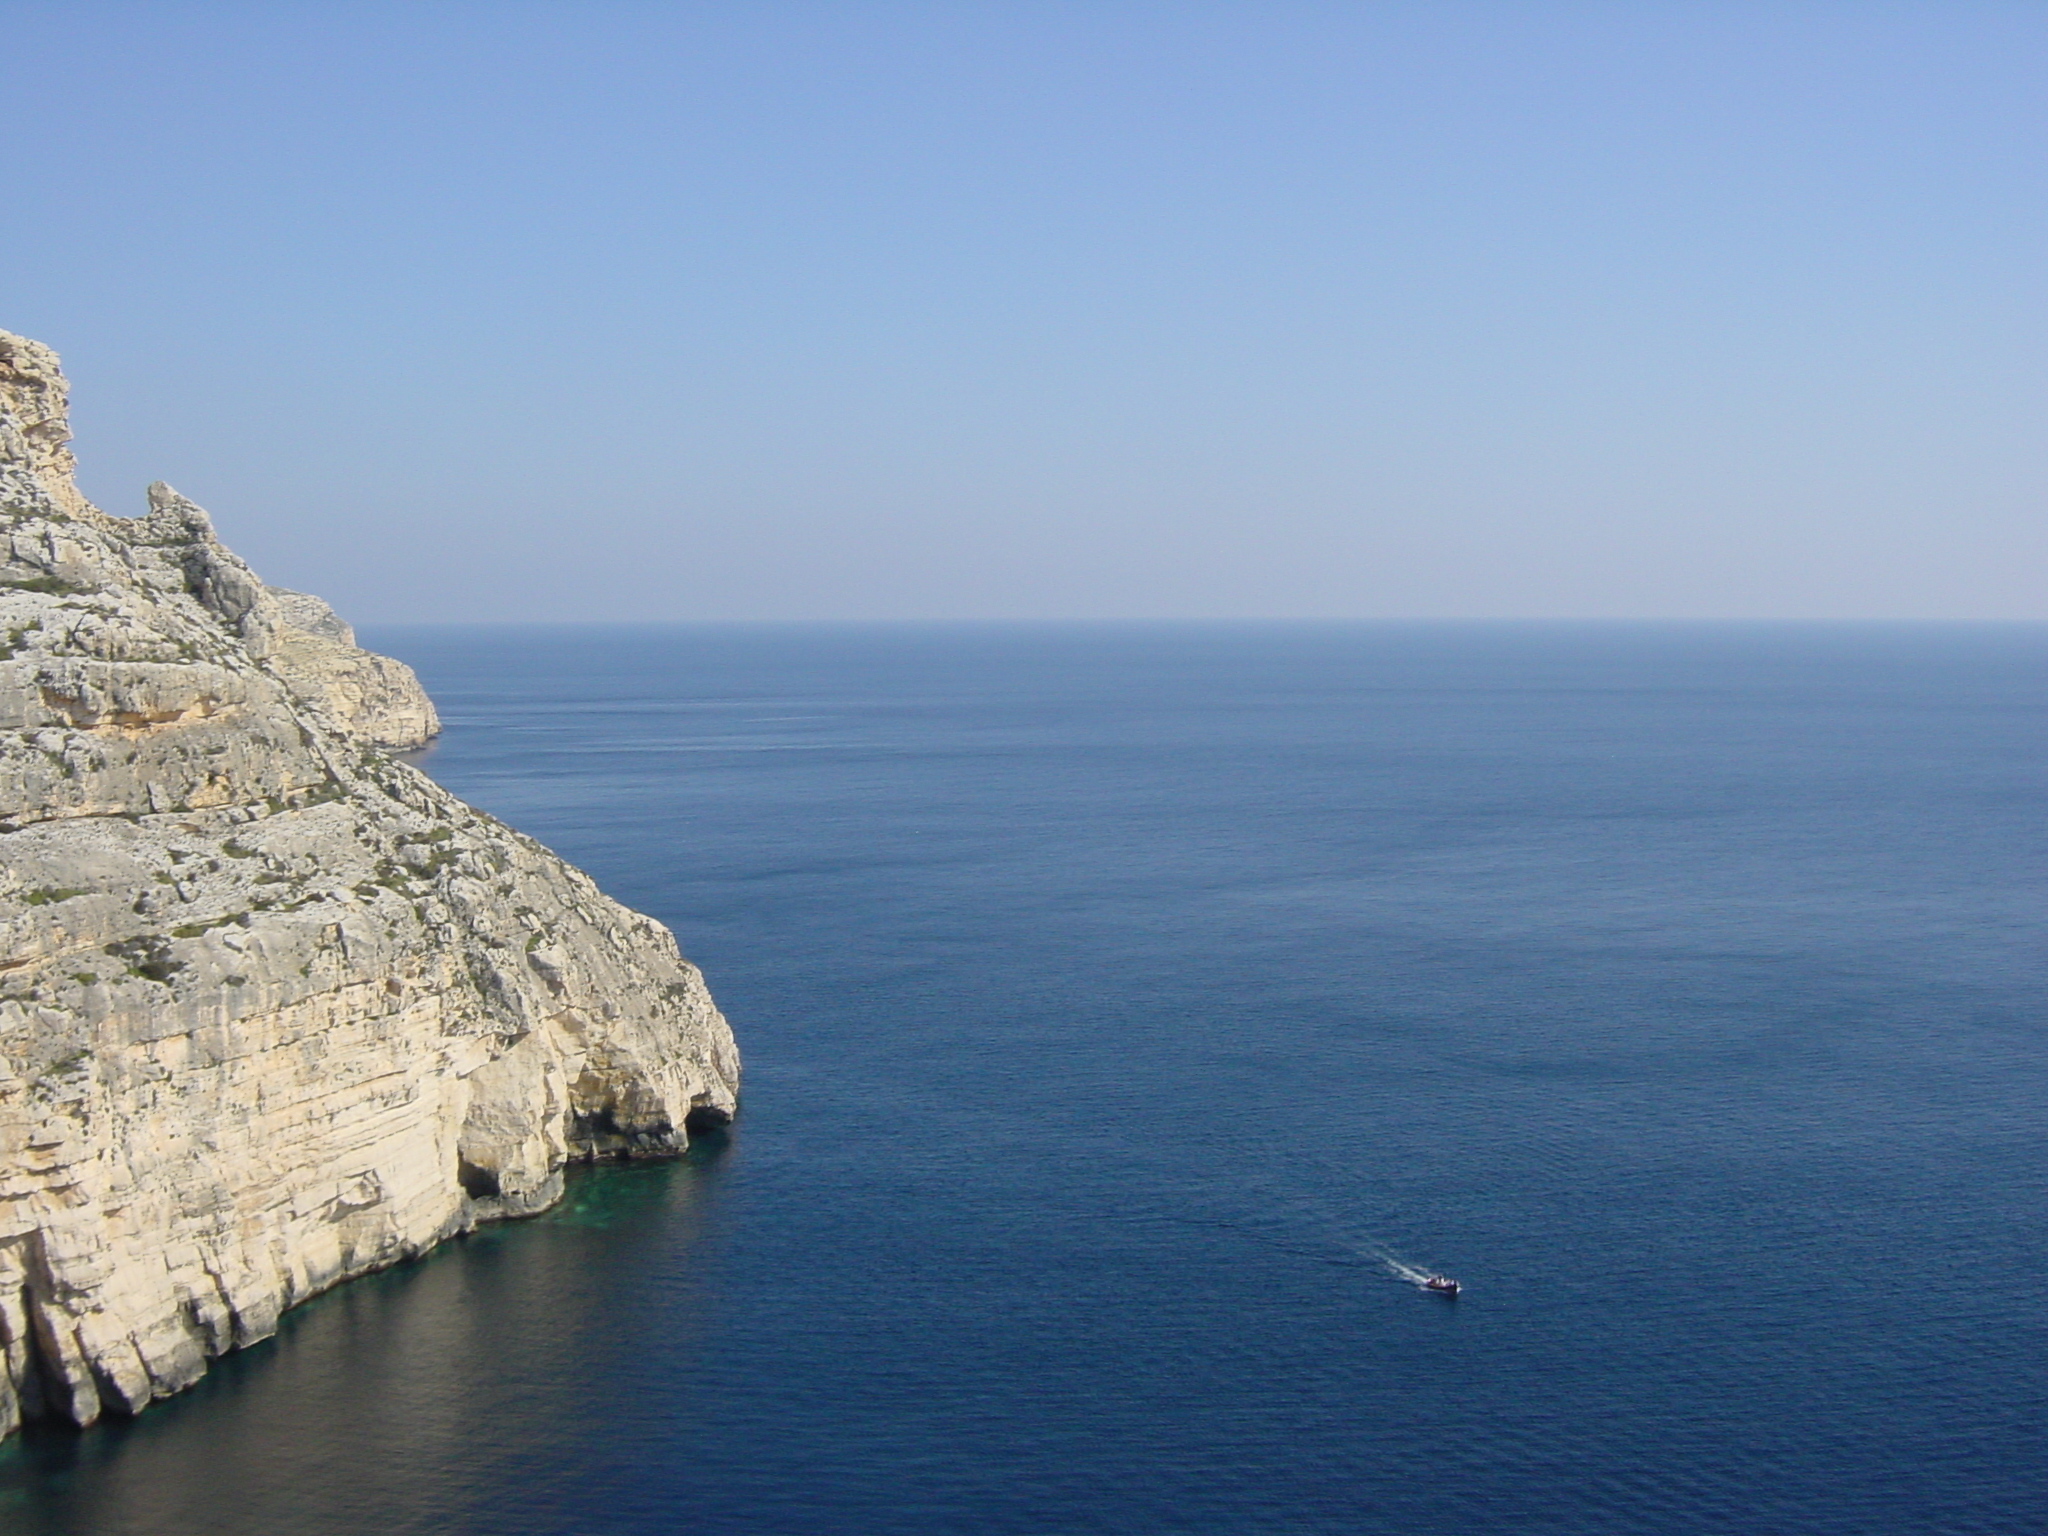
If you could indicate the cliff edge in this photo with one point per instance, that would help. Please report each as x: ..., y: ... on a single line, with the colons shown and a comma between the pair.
x: 275, y: 1008
x: 308, y: 645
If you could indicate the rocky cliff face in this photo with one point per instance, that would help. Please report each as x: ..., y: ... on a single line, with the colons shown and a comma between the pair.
x: 307, y: 644
x: 275, y: 1009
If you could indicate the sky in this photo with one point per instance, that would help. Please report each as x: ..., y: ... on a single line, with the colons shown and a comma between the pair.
x: 1041, y: 310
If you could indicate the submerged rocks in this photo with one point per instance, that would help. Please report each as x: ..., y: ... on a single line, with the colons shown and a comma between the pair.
x: 275, y: 1008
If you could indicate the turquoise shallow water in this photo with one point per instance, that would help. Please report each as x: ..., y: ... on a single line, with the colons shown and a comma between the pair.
x: 1113, y: 998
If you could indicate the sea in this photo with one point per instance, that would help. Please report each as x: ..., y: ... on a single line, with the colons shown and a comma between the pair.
x: 1132, y: 1012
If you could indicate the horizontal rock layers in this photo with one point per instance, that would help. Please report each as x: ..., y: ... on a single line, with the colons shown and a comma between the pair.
x: 275, y: 1009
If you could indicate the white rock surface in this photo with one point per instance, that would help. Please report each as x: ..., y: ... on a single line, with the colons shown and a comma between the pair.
x: 275, y: 1009
x: 315, y: 652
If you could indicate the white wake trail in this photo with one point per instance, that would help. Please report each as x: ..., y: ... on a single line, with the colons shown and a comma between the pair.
x: 1398, y: 1267
x: 1406, y: 1272
x: 1364, y: 1245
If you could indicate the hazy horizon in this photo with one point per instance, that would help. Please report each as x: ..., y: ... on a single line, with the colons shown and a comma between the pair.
x: 935, y: 313
x: 1501, y: 621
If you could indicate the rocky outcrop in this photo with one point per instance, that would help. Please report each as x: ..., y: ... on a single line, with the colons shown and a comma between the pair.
x: 372, y: 697
x: 311, y: 615
x: 275, y: 1009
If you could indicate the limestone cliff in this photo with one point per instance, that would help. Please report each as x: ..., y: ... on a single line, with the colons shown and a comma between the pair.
x: 275, y: 1009
x: 316, y: 654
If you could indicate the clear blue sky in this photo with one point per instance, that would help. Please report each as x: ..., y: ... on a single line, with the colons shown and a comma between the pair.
x: 1021, y: 310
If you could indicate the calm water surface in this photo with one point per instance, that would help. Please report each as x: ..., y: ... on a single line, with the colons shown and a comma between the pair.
x: 1113, y: 998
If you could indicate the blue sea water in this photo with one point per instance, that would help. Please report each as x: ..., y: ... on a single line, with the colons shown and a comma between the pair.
x: 1115, y: 999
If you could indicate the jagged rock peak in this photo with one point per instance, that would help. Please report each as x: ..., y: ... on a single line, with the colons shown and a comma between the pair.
x: 374, y: 698
x: 35, y: 420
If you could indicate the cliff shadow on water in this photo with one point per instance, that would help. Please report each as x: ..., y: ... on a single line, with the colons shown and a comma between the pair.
x: 363, y: 1407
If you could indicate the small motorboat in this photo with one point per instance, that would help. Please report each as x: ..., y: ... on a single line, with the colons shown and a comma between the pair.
x: 1442, y: 1285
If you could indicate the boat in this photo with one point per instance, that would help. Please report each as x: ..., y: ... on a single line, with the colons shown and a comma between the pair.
x: 1443, y: 1285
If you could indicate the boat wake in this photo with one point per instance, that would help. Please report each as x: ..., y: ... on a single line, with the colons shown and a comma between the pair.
x: 1402, y: 1271
x: 1408, y: 1274
x: 1367, y: 1247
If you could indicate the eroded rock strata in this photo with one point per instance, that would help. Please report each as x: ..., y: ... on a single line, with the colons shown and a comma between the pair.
x: 275, y: 1009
